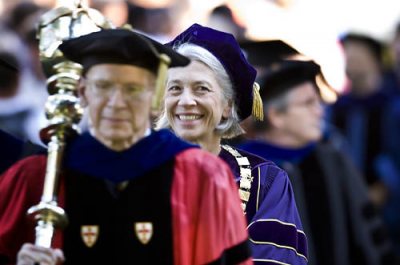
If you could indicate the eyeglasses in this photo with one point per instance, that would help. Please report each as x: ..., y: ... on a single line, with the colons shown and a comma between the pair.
x: 106, y: 88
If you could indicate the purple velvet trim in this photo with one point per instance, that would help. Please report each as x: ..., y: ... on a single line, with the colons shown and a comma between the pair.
x: 280, y: 234
x: 264, y: 263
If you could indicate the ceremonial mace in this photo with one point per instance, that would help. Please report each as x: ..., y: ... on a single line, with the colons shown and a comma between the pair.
x: 62, y: 107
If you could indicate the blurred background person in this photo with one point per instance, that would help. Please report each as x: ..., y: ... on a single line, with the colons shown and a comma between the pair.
x: 395, y: 48
x: 388, y: 161
x: 23, y: 112
x: 21, y: 102
x: 221, y: 18
x: 338, y: 217
x: 359, y: 113
x: 23, y: 19
x: 12, y: 149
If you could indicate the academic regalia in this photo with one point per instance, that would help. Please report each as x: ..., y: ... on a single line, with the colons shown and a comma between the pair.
x: 271, y: 207
x: 168, y: 207
x: 340, y: 229
x: 11, y: 149
x: 388, y: 165
x: 362, y: 122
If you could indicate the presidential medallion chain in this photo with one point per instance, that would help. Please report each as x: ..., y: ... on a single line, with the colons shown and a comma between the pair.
x: 245, y: 175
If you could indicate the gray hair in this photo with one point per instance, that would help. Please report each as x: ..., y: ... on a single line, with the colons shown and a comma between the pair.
x: 229, y: 127
x: 280, y: 103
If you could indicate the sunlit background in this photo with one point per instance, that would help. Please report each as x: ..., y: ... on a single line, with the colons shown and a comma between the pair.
x: 311, y: 26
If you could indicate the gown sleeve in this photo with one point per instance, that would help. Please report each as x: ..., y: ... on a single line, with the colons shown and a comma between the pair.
x: 20, y: 188
x: 208, y: 223
x: 275, y: 230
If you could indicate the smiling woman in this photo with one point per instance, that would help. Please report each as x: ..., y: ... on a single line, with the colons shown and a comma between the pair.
x: 195, y: 105
x: 204, y: 103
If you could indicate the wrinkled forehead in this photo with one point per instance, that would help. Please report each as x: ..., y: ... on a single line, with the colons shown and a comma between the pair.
x: 195, y: 72
x: 120, y: 72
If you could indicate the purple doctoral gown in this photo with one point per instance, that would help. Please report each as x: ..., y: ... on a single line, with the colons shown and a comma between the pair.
x: 275, y: 229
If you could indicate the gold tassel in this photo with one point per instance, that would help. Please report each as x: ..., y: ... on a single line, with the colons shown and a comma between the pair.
x: 258, y: 111
x: 160, y: 82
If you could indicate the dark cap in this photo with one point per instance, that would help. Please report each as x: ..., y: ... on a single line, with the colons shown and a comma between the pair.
x: 226, y: 49
x: 119, y: 46
x: 285, y: 75
x: 372, y: 44
x: 265, y: 53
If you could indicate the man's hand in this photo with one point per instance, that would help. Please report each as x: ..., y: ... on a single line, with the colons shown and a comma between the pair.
x: 30, y: 254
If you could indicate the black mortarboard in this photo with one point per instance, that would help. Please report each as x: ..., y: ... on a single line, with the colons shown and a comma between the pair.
x: 265, y: 53
x: 119, y: 46
x: 283, y: 76
x: 226, y: 49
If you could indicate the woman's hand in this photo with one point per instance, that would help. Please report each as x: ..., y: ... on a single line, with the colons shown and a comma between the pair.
x: 30, y: 254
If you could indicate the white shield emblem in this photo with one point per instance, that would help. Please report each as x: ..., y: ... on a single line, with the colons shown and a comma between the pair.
x: 89, y: 234
x: 144, y: 231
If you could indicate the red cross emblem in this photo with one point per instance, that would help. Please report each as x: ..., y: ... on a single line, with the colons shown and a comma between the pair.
x: 89, y: 234
x: 144, y: 231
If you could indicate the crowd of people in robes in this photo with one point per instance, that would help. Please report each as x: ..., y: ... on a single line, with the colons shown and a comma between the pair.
x: 246, y: 163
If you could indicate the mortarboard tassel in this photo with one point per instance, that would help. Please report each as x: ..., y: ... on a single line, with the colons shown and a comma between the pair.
x: 160, y: 83
x: 258, y: 111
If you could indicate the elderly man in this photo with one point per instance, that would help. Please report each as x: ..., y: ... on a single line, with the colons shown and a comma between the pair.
x: 149, y: 197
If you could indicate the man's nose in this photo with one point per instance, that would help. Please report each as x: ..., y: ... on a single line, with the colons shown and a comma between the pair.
x: 117, y: 98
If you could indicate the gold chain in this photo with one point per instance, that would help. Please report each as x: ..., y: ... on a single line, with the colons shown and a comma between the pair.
x: 245, y: 175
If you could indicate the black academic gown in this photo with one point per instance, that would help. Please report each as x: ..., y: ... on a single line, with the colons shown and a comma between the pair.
x: 10, y: 150
x: 338, y: 218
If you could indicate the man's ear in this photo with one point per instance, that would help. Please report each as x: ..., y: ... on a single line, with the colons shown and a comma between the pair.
x: 275, y: 117
x: 82, y: 91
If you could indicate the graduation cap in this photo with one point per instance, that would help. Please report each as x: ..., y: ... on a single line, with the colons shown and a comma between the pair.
x: 286, y: 66
x: 226, y: 49
x: 265, y: 53
x: 285, y: 75
x: 119, y: 46
x: 124, y: 46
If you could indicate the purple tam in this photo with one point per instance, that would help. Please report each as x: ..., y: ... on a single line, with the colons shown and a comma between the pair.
x: 227, y: 50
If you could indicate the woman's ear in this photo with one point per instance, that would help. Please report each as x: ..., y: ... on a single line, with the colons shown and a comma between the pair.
x: 227, y: 112
x: 82, y: 90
